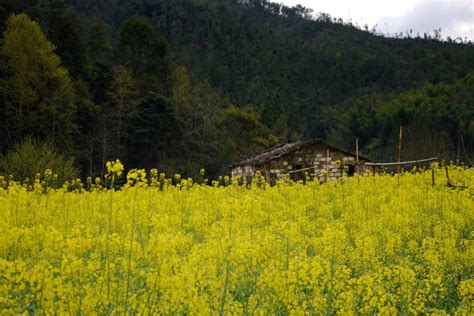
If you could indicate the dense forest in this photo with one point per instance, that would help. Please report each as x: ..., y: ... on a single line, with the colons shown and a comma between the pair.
x: 191, y: 84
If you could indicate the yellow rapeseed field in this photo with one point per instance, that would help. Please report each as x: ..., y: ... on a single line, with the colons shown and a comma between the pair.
x: 359, y: 245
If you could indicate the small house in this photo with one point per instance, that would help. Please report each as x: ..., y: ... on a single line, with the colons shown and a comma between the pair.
x: 315, y: 158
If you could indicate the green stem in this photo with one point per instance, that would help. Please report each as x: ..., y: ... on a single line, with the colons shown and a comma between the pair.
x: 109, y: 230
x: 130, y: 252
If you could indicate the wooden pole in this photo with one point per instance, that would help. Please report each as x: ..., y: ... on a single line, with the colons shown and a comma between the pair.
x: 432, y: 177
x: 459, y: 148
x: 342, y: 164
x: 400, y: 139
x: 327, y: 165
x: 357, y: 155
x: 447, y: 175
x: 463, y: 148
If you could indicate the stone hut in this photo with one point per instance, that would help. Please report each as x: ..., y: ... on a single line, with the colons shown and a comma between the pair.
x: 314, y: 157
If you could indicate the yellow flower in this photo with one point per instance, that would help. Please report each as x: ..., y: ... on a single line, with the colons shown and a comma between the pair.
x: 371, y: 245
x: 114, y: 169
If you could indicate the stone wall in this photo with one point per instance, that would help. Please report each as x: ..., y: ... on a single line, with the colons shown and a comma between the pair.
x: 244, y: 172
x: 322, y: 160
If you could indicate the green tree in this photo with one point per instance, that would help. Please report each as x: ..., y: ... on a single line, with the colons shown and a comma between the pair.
x: 88, y: 121
x: 122, y: 103
x: 38, y: 97
x: 245, y: 134
x: 8, y: 7
x: 97, y: 41
x: 181, y: 89
x: 135, y: 37
x: 156, y: 74
x: 201, y: 107
x: 64, y: 32
x: 155, y: 130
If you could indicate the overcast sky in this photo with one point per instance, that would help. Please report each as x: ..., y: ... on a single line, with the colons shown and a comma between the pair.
x: 454, y: 17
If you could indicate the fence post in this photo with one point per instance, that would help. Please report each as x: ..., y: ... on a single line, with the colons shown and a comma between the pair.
x: 342, y: 164
x: 447, y: 175
x: 399, y: 152
x: 432, y: 177
x: 327, y: 165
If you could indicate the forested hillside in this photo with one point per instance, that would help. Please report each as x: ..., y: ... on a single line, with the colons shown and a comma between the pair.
x: 189, y: 84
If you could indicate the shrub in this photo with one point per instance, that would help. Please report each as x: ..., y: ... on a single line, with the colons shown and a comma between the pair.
x: 31, y: 157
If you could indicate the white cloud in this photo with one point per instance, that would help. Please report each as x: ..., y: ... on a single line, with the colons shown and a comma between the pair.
x: 454, y: 17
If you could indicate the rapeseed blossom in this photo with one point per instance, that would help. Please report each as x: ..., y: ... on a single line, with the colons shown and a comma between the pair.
x: 363, y: 245
x: 114, y: 169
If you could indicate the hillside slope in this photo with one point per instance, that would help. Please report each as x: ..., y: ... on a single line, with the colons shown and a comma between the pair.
x: 217, y: 73
x: 291, y: 68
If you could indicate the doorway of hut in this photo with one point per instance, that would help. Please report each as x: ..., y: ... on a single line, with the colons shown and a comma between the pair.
x: 351, y: 170
x: 297, y: 175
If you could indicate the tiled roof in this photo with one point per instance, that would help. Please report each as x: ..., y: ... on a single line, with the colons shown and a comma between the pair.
x: 281, y: 150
